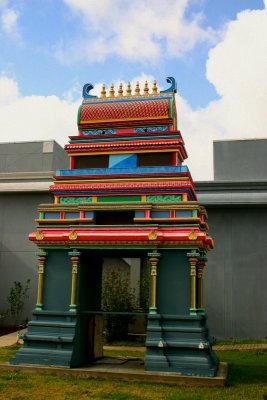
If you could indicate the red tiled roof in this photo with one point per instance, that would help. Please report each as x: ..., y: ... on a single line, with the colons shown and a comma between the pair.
x: 123, y: 110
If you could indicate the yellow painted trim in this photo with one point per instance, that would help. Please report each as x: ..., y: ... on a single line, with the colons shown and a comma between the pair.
x: 135, y: 151
x: 62, y: 221
x: 189, y: 205
x: 184, y: 197
x: 56, y: 200
x: 143, y: 198
x: 153, y: 273
x: 94, y: 199
x: 75, y: 262
x: 191, y: 220
x: 42, y: 258
x: 73, y: 289
x: 200, y: 293
x: 105, y: 180
x: 193, y: 291
x: 40, y: 288
x: 98, y: 121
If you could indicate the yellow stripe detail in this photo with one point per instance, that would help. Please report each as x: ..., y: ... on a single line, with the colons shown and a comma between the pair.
x: 85, y: 181
x: 97, y: 121
x: 136, y: 151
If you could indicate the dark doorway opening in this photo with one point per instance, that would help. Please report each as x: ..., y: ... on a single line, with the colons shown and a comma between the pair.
x: 114, y: 217
x: 103, y: 306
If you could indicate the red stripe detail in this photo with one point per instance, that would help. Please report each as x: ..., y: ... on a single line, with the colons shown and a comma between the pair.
x: 122, y: 234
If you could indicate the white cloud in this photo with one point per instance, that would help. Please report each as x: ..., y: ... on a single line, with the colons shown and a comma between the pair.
x: 9, y: 23
x: 9, y: 20
x: 9, y: 91
x: 44, y: 117
x: 34, y: 117
x: 237, y: 68
x: 142, y: 30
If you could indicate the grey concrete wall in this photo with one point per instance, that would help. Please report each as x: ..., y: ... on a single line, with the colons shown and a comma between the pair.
x: 32, y: 156
x: 240, y: 160
x: 236, y: 273
x: 18, y: 260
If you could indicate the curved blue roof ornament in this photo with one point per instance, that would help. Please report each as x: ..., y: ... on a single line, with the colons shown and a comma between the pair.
x: 86, y: 90
x: 173, y: 87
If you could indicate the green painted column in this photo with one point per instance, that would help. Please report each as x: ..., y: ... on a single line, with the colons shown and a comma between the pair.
x: 75, y: 257
x: 153, y: 260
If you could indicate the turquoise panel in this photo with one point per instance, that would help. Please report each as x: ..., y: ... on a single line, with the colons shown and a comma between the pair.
x: 138, y: 170
x: 122, y: 160
x: 181, y: 214
x: 164, y: 197
x: 74, y: 199
x: 51, y: 215
x: 173, y: 282
x: 89, y: 214
x: 160, y: 214
x: 57, y: 281
x: 72, y: 215
x: 139, y: 214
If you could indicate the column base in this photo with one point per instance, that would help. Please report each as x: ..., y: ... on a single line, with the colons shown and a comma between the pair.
x: 197, y: 311
x: 39, y: 307
x: 73, y: 307
x: 153, y: 310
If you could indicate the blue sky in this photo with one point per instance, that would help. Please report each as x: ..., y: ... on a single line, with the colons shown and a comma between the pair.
x: 214, y: 48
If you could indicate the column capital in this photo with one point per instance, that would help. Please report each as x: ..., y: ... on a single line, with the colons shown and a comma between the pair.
x: 154, y: 254
x: 41, y: 252
x: 193, y: 254
x: 74, y: 253
x: 201, y: 262
x: 41, y: 256
x: 203, y: 258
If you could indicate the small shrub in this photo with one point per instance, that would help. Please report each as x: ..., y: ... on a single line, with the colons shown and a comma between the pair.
x: 16, y: 298
x: 3, y: 315
x: 144, y: 290
x: 117, y: 296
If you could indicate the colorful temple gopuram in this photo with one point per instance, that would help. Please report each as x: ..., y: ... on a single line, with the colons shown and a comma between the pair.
x: 126, y: 194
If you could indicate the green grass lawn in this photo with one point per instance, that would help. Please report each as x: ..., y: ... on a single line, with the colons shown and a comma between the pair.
x: 247, y: 381
x: 241, y: 341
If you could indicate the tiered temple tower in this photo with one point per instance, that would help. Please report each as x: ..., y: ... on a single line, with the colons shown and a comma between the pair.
x: 126, y: 194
